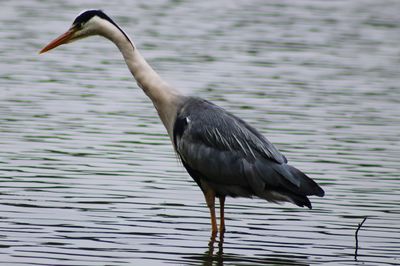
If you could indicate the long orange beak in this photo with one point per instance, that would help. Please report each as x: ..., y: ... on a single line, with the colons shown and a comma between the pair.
x: 62, y: 39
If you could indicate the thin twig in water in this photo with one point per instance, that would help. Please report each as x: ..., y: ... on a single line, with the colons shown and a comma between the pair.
x: 358, y: 228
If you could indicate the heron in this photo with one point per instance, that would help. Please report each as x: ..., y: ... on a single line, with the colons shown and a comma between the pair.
x: 223, y: 154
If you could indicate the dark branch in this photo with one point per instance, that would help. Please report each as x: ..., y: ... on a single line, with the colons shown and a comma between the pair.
x: 358, y: 228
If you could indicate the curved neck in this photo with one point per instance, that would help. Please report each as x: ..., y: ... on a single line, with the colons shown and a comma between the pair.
x: 165, y: 98
x: 146, y: 77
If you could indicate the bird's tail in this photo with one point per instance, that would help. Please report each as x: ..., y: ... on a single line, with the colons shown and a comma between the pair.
x: 281, y: 182
x: 295, y: 186
x: 307, y: 186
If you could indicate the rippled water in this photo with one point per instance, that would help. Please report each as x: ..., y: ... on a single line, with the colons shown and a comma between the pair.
x: 88, y: 175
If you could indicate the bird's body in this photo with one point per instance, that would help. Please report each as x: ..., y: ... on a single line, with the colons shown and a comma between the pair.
x: 223, y: 154
x: 221, y: 151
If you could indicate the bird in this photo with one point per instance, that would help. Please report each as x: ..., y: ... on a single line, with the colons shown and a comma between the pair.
x: 224, y: 155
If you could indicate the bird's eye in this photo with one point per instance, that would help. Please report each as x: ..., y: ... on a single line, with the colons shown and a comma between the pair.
x: 78, y: 26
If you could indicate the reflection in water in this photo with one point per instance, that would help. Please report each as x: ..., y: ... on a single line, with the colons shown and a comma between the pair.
x: 87, y: 173
x: 215, y: 255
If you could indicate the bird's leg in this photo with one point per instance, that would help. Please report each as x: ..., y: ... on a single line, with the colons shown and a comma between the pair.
x: 222, y: 216
x: 210, y: 199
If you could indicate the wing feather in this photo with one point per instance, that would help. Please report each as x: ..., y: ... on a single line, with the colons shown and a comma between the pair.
x: 223, y: 149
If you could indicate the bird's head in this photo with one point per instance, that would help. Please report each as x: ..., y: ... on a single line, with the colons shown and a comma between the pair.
x: 87, y: 23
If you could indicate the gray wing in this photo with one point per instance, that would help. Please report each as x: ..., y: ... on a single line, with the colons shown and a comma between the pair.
x: 236, y: 159
x: 225, y: 150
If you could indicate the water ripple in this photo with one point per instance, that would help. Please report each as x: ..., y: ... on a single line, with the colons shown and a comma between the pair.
x: 87, y: 173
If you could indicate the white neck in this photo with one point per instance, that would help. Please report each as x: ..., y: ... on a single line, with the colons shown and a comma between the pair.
x: 165, y: 98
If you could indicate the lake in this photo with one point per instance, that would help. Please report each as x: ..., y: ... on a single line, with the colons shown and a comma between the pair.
x: 89, y: 176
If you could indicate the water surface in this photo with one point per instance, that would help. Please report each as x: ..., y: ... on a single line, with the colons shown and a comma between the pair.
x: 89, y: 177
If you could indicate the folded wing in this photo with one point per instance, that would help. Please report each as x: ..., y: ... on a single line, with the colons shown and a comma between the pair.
x: 234, y: 158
